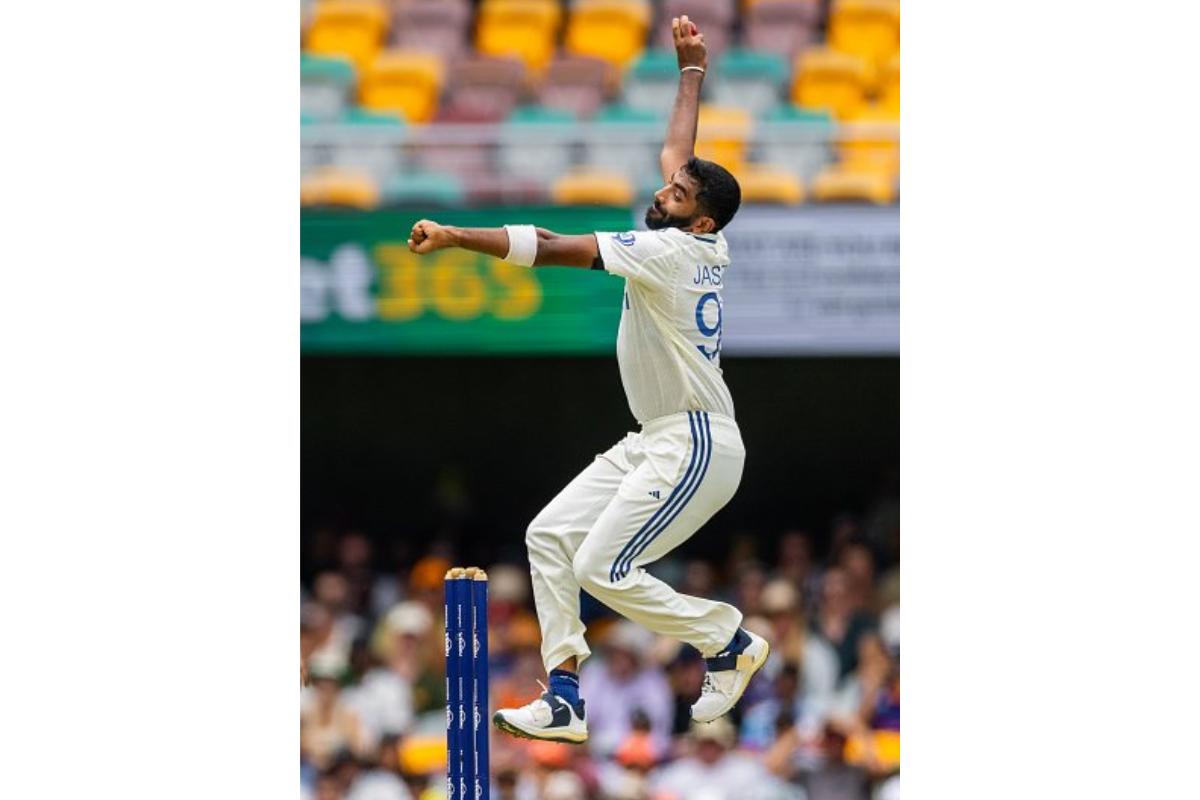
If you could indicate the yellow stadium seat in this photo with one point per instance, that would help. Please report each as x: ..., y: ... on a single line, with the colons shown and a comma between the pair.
x: 524, y: 29
x: 766, y: 183
x: 613, y: 30
x: 352, y: 29
x: 593, y: 188
x: 840, y: 183
x: 335, y: 187
x: 721, y: 135
x: 889, y: 88
x: 869, y: 29
x: 830, y: 80
x: 871, y: 141
x: 405, y: 82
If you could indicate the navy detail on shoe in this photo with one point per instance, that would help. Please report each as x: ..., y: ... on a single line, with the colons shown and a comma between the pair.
x: 727, y: 658
x: 740, y: 641
x: 560, y: 711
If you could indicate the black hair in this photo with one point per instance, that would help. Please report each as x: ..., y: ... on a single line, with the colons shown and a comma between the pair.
x: 719, y: 194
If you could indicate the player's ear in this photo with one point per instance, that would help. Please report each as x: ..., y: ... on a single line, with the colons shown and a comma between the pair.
x: 704, y: 225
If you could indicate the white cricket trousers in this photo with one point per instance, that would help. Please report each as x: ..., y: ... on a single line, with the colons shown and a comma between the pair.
x: 635, y: 503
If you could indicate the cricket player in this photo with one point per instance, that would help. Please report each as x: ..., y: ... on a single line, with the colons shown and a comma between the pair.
x: 653, y: 490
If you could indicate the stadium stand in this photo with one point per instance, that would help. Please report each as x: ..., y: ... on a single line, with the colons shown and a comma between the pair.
x: 651, y: 82
x: 527, y: 142
x: 869, y: 29
x: 839, y: 183
x: 593, y: 188
x: 440, y: 27
x: 784, y: 27
x: 438, y: 188
x: 325, y: 85
x: 330, y: 186
x: 614, y: 30
x: 578, y: 84
x: 543, y: 87
x: 621, y: 140
x: 831, y: 80
x: 374, y: 146
x: 752, y: 79
x: 522, y: 29
x: 483, y: 89
x: 353, y: 29
x: 795, y: 138
x: 405, y: 82
x: 722, y: 135
x: 769, y: 183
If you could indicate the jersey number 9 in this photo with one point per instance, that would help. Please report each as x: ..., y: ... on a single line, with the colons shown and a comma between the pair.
x: 706, y: 329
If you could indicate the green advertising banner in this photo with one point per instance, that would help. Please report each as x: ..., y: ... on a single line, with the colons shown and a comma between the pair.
x: 362, y: 291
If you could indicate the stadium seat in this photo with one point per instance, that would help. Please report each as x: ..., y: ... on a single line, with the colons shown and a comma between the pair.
x: 626, y: 140
x: 535, y: 142
x: 614, y: 30
x: 749, y: 79
x: 869, y: 29
x: 721, y: 135
x: 593, y: 188
x: 325, y: 85
x: 439, y: 26
x: 651, y: 82
x: 524, y: 29
x: 485, y: 188
x: 714, y: 18
x: 770, y: 183
x: 576, y: 84
x: 330, y: 186
x: 353, y: 29
x: 889, y: 88
x: 784, y: 27
x: 483, y: 89
x: 424, y: 187
x: 830, y: 80
x: 871, y: 141
x: 795, y: 138
x: 371, y: 143
x: 404, y: 82
x: 839, y: 184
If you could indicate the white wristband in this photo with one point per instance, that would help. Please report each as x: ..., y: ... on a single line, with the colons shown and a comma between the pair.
x: 522, y: 245
x: 698, y: 69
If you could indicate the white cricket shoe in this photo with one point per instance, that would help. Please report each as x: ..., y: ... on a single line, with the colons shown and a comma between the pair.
x: 549, y: 718
x: 727, y: 677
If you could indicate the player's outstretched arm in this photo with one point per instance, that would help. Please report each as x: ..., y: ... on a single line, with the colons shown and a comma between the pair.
x: 553, y: 249
x: 680, y: 143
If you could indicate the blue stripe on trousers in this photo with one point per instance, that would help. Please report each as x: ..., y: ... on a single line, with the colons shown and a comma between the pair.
x: 694, y: 425
x: 705, y: 439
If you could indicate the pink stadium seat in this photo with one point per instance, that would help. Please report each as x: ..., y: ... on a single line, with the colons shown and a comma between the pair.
x: 713, y: 17
x: 577, y: 84
x: 484, y: 89
x: 785, y: 27
x: 487, y: 188
x: 436, y: 25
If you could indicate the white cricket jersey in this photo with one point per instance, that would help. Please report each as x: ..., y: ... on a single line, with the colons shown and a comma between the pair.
x: 669, y: 342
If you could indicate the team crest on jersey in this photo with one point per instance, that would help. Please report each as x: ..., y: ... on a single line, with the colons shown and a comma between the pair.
x: 626, y: 239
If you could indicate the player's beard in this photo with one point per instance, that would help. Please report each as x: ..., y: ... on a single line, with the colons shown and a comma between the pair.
x: 657, y: 219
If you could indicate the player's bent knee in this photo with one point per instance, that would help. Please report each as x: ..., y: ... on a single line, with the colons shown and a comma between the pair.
x: 590, y: 571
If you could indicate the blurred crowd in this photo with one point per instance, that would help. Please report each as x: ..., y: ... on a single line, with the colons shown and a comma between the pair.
x: 821, y: 721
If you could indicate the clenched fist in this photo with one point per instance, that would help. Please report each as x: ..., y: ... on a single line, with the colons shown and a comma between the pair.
x: 689, y: 43
x: 428, y: 236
